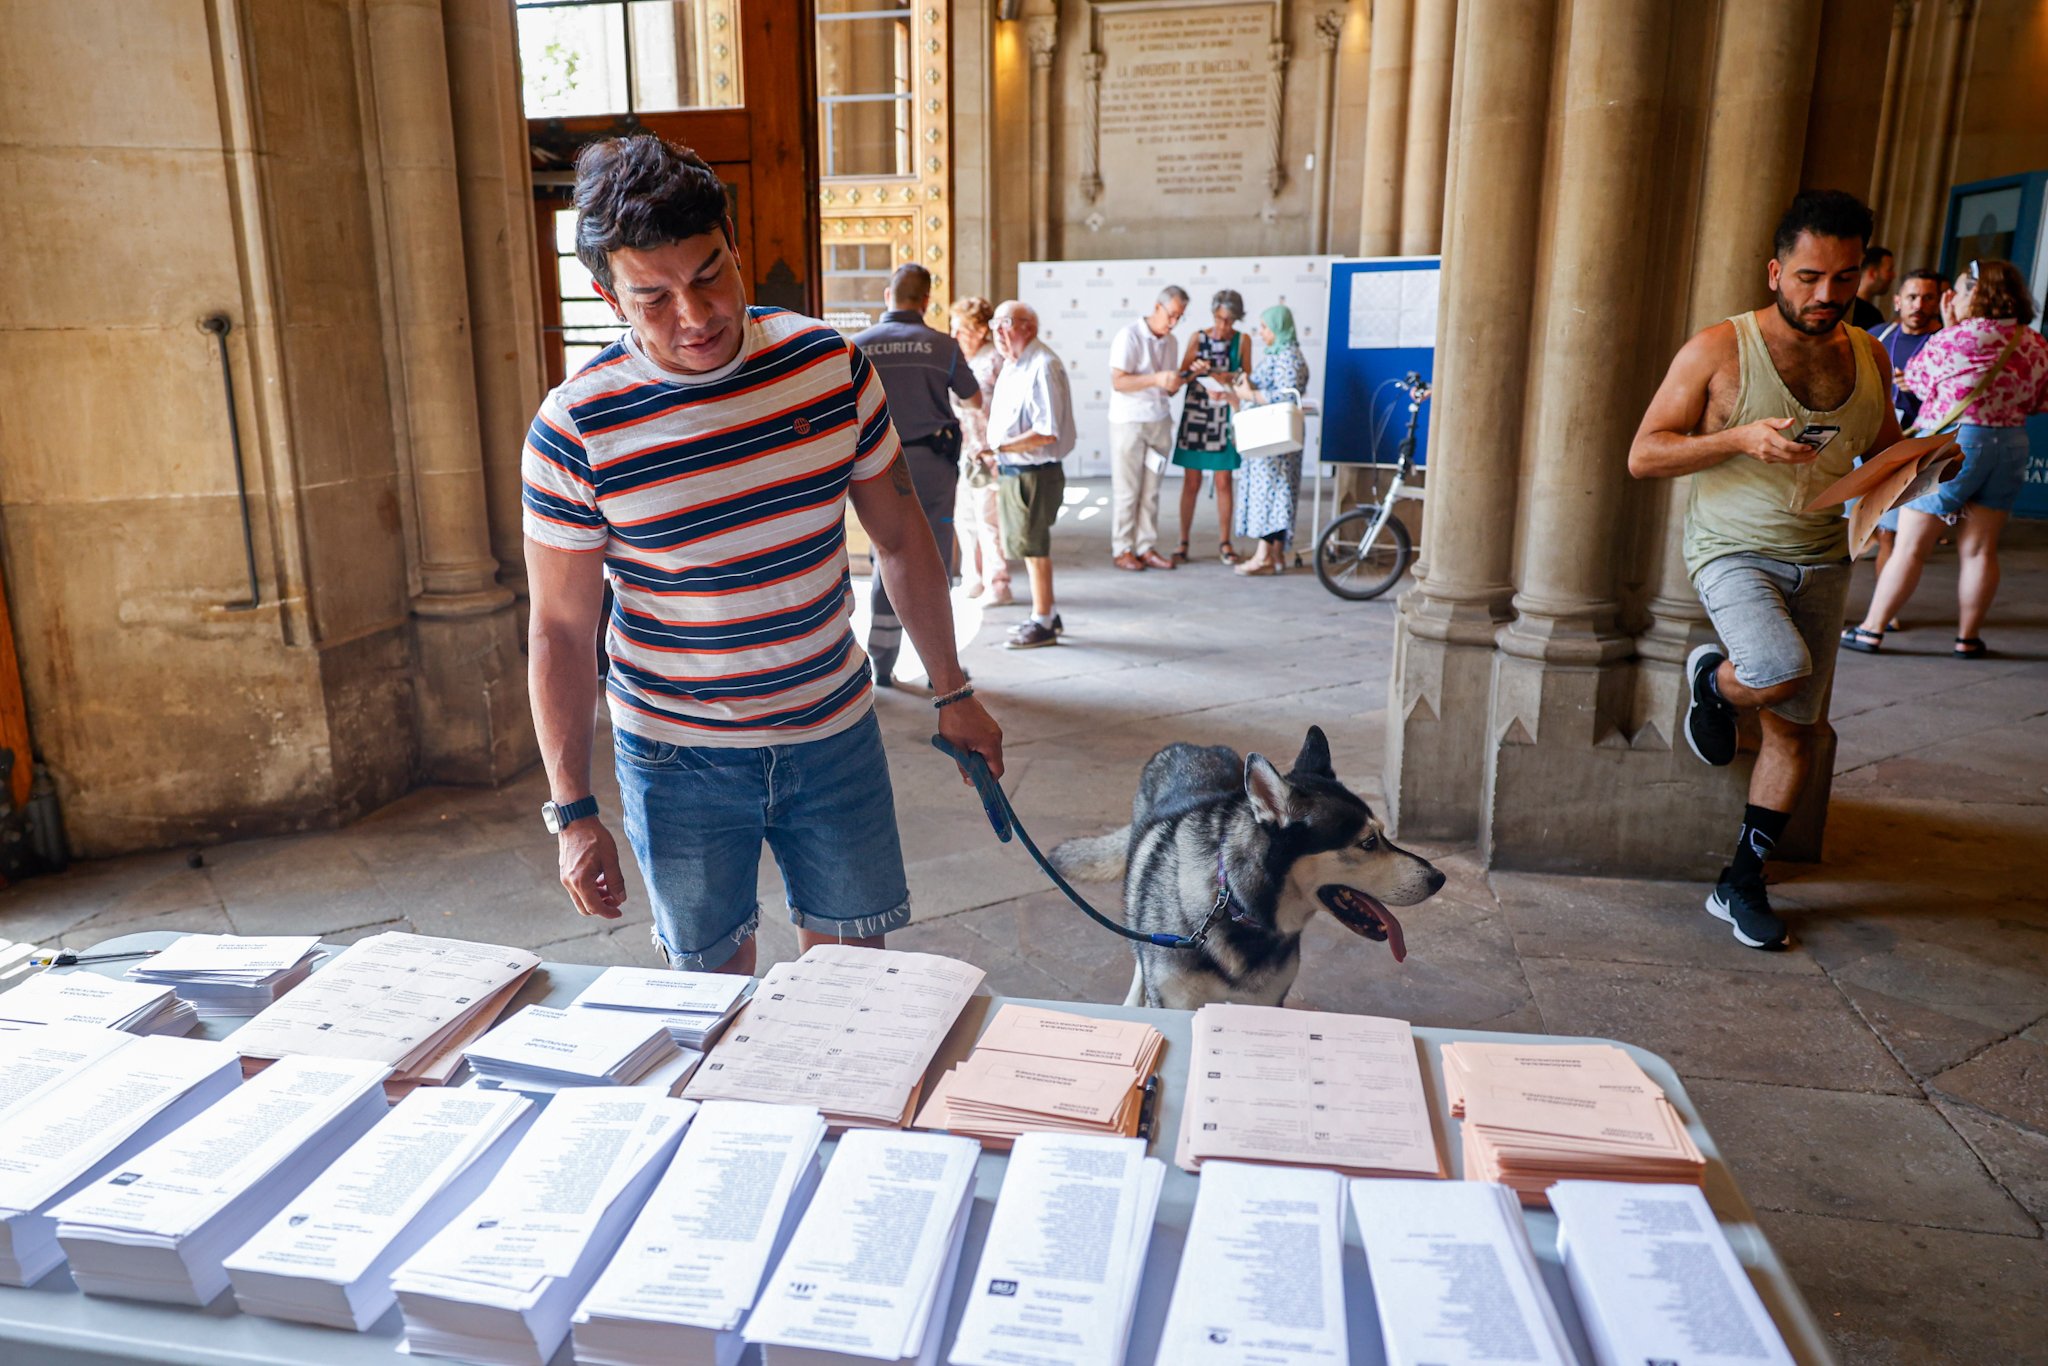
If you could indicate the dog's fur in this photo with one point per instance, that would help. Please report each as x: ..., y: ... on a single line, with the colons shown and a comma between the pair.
x: 1289, y: 842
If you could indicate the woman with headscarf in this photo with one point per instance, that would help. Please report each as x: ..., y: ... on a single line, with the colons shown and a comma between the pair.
x: 1221, y: 353
x: 1272, y: 483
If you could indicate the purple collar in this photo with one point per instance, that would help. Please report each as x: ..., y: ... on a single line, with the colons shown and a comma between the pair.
x: 1227, y: 901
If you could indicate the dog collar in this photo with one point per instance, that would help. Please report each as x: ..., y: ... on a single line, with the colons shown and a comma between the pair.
x: 1226, y: 901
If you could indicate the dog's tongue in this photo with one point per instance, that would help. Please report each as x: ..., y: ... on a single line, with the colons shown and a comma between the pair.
x: 1367, y: 917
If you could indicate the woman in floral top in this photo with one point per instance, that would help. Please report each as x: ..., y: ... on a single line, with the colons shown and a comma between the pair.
x: 1987, y: 328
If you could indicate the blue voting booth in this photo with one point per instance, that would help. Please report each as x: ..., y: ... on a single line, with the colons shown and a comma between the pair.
x: 1381, y: 325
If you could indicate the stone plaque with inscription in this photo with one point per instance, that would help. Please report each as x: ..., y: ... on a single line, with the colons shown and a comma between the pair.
x: 1183, y: 115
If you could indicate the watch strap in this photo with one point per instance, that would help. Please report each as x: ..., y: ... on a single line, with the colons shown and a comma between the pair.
x: 568, y: 812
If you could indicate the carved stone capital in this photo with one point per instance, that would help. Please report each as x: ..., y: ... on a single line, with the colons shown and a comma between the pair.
x: 1042, y: 38
x: 1330, y: 29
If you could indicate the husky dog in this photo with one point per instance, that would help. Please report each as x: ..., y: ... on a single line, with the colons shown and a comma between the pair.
x: 1236, y: 847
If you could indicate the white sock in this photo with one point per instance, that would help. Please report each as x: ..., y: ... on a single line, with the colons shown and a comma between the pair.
x: 1045, y: 621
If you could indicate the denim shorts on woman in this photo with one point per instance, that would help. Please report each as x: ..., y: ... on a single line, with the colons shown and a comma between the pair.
x: 1778, y: 621
x: 1993, y: 473
x: 696, y: 818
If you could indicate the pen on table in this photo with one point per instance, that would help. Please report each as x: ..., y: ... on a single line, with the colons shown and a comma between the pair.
x: 65, y: 958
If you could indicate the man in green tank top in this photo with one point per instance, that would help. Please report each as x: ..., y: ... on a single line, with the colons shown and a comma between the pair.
x: 1764, y: 411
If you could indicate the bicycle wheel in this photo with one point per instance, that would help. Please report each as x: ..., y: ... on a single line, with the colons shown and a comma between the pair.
x: 1356, y: 571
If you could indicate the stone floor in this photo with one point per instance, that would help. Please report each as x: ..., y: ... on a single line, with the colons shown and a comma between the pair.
x: 1881, y: 1090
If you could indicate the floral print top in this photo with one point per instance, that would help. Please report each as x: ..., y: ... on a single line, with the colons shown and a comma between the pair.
x: 1950, y: 363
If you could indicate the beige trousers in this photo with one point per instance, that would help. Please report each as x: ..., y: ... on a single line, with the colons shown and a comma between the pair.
x: 1134, y: 484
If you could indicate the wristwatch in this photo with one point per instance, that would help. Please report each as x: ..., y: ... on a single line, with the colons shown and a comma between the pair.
x: 558, y: 816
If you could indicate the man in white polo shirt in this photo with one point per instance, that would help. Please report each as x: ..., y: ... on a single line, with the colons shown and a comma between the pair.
x: 1031, y: 428
x: 1144, y: 374
x: 702, y: 464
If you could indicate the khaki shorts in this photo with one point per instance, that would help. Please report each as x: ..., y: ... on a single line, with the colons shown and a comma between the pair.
x: 1029, y: 504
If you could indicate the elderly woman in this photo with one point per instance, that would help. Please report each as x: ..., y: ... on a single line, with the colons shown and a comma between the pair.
x: 982, y: 566
x: 1984, y: 374
x: 1220, y: 353
x: 1272, y: 483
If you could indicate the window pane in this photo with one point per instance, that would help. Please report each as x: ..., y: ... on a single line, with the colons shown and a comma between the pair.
x: 576, y: 357
x: 864, y: 88
x: 826, y: 7
x: 576, y: 281
x: 573, y: 60
x: 565, y: 232
x: 686, y: 54
x: 588, y: 313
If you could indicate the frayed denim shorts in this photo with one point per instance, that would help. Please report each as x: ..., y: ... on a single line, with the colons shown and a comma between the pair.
x: 696, y: 818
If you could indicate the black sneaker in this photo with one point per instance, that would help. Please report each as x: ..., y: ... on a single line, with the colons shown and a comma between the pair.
x: 1031, y: 636
x: 1744, y: 905
x: 1709, y: 721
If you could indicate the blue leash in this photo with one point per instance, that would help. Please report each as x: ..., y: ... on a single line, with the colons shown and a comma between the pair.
x: 1003, y: 817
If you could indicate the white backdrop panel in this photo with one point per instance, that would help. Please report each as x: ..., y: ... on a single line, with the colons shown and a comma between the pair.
x: 1081, y: 306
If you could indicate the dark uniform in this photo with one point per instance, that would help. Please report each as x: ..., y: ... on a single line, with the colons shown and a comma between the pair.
x: 920, y: 366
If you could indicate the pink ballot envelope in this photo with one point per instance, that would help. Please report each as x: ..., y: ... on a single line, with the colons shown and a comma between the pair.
x: 1894, y: 476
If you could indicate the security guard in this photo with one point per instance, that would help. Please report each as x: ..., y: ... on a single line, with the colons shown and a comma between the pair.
x: 919, y: 366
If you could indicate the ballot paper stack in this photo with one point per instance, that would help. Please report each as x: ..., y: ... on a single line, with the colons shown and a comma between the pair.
x: 869, y: 1272
x: 1262, y: 1275
x: 1656, y: 1281
x: 688, y: 1273
x: 38, y: 1058
x: 229, y: 974
x: 849, y: 1031
x: 1059, y: 1274
x: 694, y: 1006
x: 1454, y: 1276
x: 86, y: 998
x: 1535, y: 1114
x: 158, y: 1226
x: 327, y: 1256
x: 1299, y: 1087
x: 1038, y: 1069
x: 410, y: 1001
x: 78, y: 1129
x: 540, y: 1050
x: 499, y: 1283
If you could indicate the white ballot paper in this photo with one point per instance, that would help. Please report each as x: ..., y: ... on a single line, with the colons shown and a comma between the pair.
x: 1454, y: 1276
x: 327, y: 1256
x: 847, y: 1030
x: 231, y: 974
x: 86, y: 998
x: 1262, y: 1277
x: 690, y: 1269
x: 1655, y: 1279
x: 541, y: 1049
x: 34, y: 1058
x: 157, y: 1226
x: 1267, y: 1084
x: 870, y: 1268
x: 79, y: 1129
x: 1059, y: 1273
x: 500, y: 1282
x: 392, y: 998
x: 694, y: 1005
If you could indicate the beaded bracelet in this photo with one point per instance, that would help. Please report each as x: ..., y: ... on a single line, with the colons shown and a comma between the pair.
x: 960, y: 694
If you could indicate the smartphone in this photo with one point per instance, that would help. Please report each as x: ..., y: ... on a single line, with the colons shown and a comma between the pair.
x: 1817, y: 436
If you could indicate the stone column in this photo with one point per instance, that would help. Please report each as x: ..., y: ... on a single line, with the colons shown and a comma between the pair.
x: 1386, y: 123
x: 1888, y: 103
x: 1559, y: 703
x: 1329, y: 30
x: 1429, y: 127
x: 1756, y: 130
x: 1918, y: 228
x: 497, y: 249
x: 1444, y: 637
x: 472, y: 681
x: 1042, y: 35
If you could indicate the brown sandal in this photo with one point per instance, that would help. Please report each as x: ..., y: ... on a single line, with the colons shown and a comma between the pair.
x: 1180, y: 556
x: 1228, y: 553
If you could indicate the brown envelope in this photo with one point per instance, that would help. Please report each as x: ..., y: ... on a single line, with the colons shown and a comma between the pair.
x: 1897, y: 474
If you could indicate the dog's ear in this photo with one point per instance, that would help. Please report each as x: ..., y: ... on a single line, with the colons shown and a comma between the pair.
x: 1315, y: 754
x: 1267, y: 789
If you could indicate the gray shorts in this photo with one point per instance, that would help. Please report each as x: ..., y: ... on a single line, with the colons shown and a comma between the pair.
x: 1778, y: 622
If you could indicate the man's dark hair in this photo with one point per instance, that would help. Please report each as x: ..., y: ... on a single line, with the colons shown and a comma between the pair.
x: 910, y: 283
x: 642, y: 192
x: 1824, y: 213
x: 1874, y: 256
x: 1940, y: 280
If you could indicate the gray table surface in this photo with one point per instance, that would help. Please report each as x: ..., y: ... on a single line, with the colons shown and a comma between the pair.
x: 52, y: 1324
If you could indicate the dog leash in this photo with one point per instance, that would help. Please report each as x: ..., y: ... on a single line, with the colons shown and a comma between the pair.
x: 1003, y: 817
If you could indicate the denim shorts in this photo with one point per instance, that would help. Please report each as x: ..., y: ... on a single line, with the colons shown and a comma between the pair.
x: 1993, y: 472
x: 1778, y: 622
x: 696, y: 818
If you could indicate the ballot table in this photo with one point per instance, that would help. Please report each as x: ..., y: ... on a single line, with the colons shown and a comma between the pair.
x: 53, y: 1324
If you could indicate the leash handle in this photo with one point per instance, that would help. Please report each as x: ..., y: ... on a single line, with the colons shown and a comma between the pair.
x: 1003, y: 817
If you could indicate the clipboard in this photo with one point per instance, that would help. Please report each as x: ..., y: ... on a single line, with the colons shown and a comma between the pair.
x: 1894, y: 476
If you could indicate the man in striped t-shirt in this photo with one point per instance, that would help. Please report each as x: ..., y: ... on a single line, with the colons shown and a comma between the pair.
x: 702, y: 464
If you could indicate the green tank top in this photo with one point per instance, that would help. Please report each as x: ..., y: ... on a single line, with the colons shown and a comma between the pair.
x: 1746, y: 505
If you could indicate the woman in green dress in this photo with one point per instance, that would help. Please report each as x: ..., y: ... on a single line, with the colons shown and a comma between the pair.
x: 1221, y: 353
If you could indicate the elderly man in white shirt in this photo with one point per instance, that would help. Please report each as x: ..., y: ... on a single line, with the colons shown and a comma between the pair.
x: 1144, y: 374
x: 1031, y: 429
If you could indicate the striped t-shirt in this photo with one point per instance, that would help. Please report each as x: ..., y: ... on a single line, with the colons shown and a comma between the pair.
x: 719, y: 502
